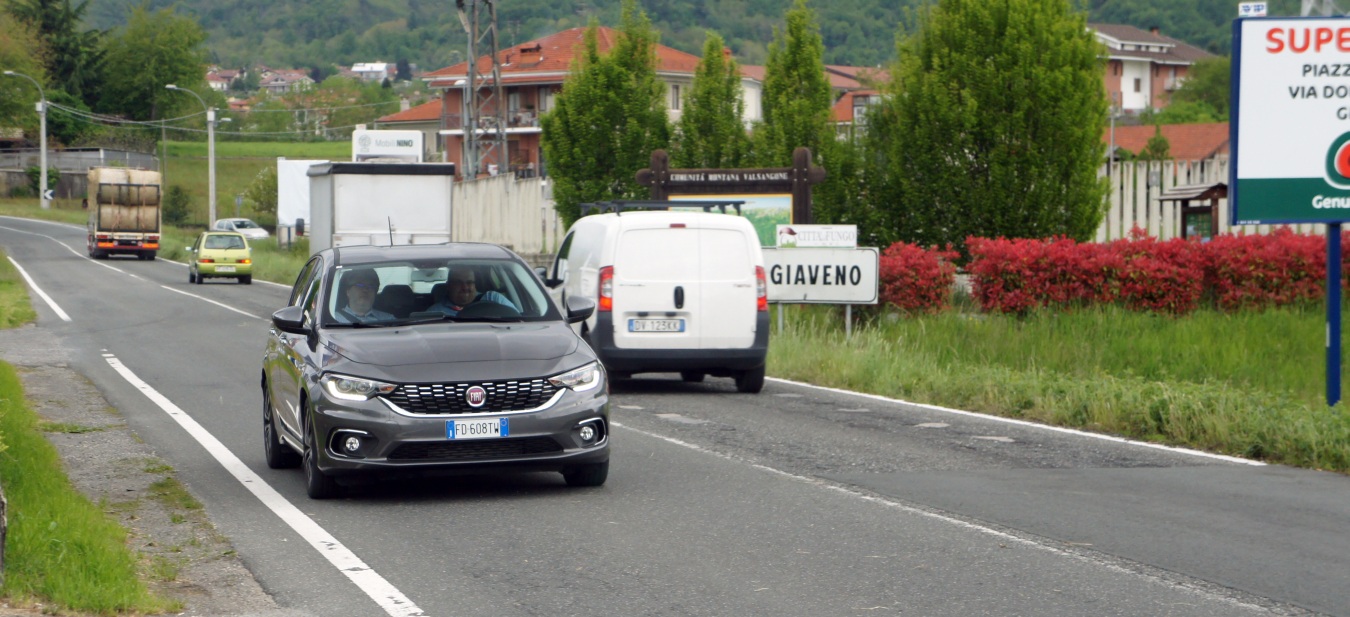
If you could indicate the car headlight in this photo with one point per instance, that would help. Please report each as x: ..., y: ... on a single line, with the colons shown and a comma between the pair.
x: 580, y: 379
x: 355, y: 388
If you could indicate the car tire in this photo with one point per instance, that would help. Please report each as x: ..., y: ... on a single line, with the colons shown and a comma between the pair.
x: 279, y: 455
x: 751, y: 381
x: 590, y: 474
x: 691, y: 376
x: 192, y: 276
x: 318, y: 485
x: 247, y: 279
x: 200, y: 279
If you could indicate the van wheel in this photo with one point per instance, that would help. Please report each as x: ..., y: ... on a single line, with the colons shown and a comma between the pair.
x: 592, y: 474
x: 751, y: 381
x: 691, y: 376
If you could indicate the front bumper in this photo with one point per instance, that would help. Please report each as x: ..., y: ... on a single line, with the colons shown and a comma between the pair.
x: 544, y: 440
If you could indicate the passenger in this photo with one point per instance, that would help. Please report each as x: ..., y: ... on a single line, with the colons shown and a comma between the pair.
x: 462, y: 290
x: 360, y: 306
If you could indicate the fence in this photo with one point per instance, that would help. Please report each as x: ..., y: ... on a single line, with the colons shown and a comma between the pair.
x: 1135, y: 188
x: 515, y: 213
x: 73, y: 164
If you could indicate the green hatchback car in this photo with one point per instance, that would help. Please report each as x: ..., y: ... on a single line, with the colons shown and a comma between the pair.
x: 223, y: 254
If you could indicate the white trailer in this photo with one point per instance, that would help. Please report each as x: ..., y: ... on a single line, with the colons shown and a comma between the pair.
x: 379, y: 204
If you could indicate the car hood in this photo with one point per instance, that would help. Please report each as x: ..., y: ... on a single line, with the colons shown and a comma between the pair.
x: 453, y: 343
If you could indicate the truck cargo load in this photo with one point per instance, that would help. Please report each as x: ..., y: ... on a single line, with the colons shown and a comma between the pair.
x: 124, y: 212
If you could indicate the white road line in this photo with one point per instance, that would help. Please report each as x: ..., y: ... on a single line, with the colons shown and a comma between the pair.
x: 950, y: 520
x: 220, y: 304
x: 119, y: 270
x: 42, y: 294
x: 1045, y: 427
x: 389, y: 598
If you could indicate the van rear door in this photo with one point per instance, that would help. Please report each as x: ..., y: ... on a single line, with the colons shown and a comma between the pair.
x: 683, y: 286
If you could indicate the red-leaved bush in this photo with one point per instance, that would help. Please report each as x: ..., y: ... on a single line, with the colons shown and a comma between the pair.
x: 1231, y: 272
x: 917, y: 280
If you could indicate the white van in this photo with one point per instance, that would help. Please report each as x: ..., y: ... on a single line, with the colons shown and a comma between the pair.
x: 675, y: 291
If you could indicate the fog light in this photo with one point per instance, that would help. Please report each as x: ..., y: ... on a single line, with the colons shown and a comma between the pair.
x: 352, y: 444
x: 587, y: 433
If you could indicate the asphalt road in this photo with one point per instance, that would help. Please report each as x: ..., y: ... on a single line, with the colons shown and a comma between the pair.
x: 795, y: 501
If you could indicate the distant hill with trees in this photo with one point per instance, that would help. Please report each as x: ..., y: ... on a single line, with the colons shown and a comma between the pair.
x: 323, y: 33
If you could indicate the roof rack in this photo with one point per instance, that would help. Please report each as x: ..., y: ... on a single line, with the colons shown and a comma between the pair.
x: 619, y: 206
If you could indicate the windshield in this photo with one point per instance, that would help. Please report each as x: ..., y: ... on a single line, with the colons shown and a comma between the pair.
x: 245, y: 224
x: 400, y: 293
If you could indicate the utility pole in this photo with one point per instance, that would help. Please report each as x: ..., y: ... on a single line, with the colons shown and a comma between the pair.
x: 43, y: 191
x: 484, y: 103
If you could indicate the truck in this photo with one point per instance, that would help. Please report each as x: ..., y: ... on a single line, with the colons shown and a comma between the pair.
x: 124, y: 212
x: 379, y: 203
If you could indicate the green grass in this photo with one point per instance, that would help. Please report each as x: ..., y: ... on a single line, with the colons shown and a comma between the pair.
x: 1222, y: 383
x: 61, y: 548
x: 15, y: 309
x: 237, y: 164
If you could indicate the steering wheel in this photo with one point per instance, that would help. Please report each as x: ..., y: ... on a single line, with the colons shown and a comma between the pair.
x: 488, y: 308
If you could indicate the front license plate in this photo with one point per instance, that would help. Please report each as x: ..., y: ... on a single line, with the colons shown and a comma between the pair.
x: 224, y: 268
x: 478, y: 428
x: 656, y: 325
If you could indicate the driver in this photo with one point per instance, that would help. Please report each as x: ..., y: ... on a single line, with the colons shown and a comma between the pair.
x: 462, y: 291
x: 360, y: 307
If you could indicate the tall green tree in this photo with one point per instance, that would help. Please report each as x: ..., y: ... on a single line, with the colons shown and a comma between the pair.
x: 18, y: 53
x: 153, y: 50
x: 711, y: 132
x: 72, y: 54
x: 797, y: 97
x: 607, y: 120
x: 999, y: 111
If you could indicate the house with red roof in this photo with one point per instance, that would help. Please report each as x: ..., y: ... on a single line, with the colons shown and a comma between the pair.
x: 425, y: 118
x: 1144, y: 67
x: 1185, y: 142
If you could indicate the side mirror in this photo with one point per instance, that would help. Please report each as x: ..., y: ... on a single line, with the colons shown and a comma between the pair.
x: 541, y: 272
x: 579, y: 308
x: 290, y: 320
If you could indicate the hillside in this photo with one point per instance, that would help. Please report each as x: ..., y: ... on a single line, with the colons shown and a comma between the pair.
x: 291, y: 33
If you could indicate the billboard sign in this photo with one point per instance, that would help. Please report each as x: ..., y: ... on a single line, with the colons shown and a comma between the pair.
x: 404, y: 146
x: 1290, y: 127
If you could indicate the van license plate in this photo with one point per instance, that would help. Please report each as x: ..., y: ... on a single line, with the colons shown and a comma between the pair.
x: 478, y: 428
x: 656, y: 325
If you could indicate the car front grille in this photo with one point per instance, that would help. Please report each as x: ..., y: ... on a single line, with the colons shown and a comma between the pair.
x: 449, y: 398
x: 475, y: 450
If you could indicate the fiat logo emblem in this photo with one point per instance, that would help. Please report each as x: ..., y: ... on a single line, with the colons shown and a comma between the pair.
x: 475, y: 396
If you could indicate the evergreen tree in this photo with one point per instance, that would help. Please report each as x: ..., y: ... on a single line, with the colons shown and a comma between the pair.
x: 711, y: 132
x: 999, y: 110
x: 797, y: 97
x: 607, y: 120
x: 1157, y: 148
x: 19, y: 53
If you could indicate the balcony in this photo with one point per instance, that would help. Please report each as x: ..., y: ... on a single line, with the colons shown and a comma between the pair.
x: 516, y: 122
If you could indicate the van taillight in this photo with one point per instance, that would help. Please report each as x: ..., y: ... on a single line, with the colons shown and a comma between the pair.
x: 761, y: 290
x: 606, y: 294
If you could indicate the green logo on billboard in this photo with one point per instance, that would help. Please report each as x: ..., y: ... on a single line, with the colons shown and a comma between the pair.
x: 1338, y: 162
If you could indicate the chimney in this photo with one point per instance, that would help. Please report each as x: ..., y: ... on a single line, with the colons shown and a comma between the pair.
x: 404, y: 105
x: 1154, y: 30
x: 726, y: 53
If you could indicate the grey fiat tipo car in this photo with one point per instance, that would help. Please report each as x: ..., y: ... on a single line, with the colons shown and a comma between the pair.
x: 422, y: 358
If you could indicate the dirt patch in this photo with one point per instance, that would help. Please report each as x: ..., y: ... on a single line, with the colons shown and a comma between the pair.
x: 183, y: 556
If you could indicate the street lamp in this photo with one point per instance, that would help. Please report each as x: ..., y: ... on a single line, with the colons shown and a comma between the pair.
x: 42, y: 130
x: 210, y: 153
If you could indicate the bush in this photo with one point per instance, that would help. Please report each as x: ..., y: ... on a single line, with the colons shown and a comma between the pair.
x: 177, y: 203
x: 915, y: 280
x: 35, y: 178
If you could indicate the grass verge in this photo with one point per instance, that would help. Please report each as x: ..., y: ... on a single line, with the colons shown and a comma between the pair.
x: 1067, y: 373
x: 61, y: 548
